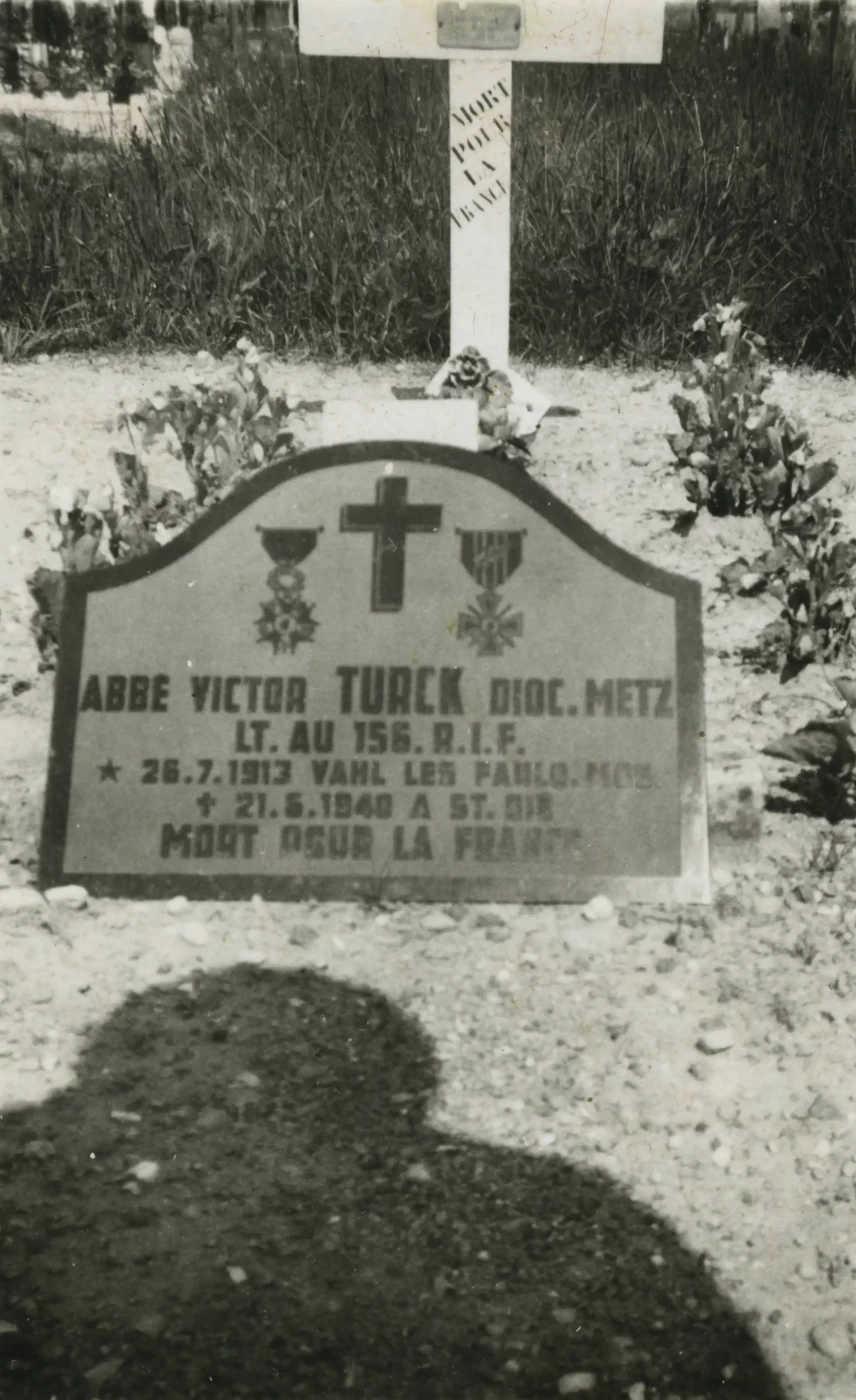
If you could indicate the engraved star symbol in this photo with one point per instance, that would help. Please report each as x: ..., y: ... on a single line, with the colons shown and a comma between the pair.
x: 109, y: 770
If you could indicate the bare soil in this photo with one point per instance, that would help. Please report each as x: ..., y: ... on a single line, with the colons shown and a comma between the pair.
x: 326, y: 1150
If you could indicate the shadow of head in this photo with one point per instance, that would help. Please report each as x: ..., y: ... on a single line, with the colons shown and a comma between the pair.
x: 305, y: 1231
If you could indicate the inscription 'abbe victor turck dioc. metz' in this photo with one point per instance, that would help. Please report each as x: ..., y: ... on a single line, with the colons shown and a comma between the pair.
x: 446, y: 686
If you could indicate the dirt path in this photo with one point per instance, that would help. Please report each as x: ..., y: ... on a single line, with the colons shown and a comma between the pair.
x: 540, y: 1231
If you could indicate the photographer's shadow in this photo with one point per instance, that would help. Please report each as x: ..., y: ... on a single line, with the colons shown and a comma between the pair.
x: 306, y: 1234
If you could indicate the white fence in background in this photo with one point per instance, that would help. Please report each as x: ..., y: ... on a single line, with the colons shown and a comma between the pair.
x: 48, y: 36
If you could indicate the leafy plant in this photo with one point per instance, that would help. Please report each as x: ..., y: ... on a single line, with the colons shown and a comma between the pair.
x: 742, y: 455
x: 223, y: 428
x: 827, y: 747
x: 809, y: 570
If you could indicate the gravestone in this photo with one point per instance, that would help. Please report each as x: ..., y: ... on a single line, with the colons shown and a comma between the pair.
x: 384, y: 669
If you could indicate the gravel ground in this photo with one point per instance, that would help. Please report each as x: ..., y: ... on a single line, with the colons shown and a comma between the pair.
x: 471, y: 1152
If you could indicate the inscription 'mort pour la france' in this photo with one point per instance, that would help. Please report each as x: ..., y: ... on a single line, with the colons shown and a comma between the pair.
x: 386, y: 668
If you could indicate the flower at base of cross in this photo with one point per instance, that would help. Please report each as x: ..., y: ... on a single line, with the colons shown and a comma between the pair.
x: 494, y: 403
x: 465, y: 375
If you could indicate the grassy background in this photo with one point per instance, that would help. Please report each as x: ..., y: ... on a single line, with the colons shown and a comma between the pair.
x: 305, y: 203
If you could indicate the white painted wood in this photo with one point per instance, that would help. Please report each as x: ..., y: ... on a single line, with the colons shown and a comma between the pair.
x: 449, y: 422
x: 554, y: 31
x: 480, y: 208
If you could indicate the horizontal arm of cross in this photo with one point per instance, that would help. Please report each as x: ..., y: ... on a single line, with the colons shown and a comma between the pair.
x: 423, y: 519
x: 418, y: 519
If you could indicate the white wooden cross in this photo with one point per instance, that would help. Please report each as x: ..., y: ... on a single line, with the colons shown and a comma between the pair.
x: 480, y: 41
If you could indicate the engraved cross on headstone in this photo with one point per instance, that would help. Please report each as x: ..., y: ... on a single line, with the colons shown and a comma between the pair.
x: 390, y: 520
x: 480, y: 41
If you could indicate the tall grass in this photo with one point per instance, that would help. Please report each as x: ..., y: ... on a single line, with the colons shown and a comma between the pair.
x: 305, y: 203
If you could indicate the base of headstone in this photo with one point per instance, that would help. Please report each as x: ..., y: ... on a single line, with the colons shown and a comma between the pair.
x: 449, y: 422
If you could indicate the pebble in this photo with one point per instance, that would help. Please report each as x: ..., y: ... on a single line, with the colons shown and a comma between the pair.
x: 832, y: 1339
x: 497, y: 933
x: 715, y: 1039
x: 105, y: 1370
x: 40, y: 1149
x: 722, y: 1155
x: 484, y: 918
x: 438, y: 922
x: 195, y: 934
x: 598, y: 911
x: 767, y: 905
x: 577, y: 1383
x: 700, y: 1070
x: 212, y: 1118
x: 303, y: 935
x: 145, y: 1171
x: 20, y: 900
x: 67, y: 897
x: 150, y: 1324
x: 178, y: 904
x: 418, y: 1172
x: 566, y: 1316
x: 824, y: 1109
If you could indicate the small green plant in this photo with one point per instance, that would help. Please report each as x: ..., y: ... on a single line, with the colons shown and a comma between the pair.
x: 222, y: 430
x: 825, y: 749
x: 222, y: 427
x: 741, y: 455
x: 809, y: 571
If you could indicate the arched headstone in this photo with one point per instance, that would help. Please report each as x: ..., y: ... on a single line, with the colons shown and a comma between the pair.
x: 381, y: 669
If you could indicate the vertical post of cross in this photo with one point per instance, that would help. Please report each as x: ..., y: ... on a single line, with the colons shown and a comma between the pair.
x: 480, y: 40
x: 480, y: 207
